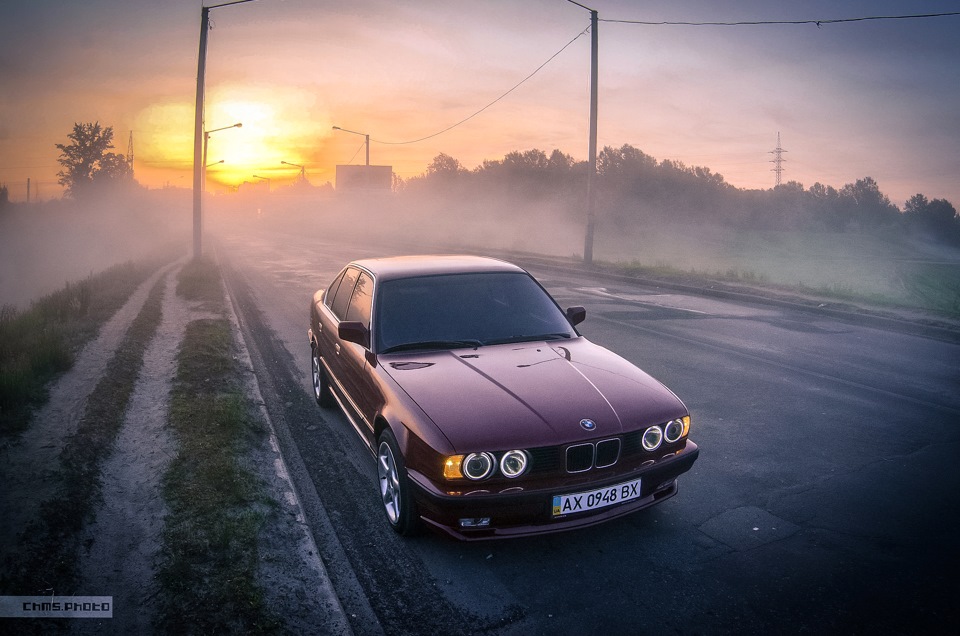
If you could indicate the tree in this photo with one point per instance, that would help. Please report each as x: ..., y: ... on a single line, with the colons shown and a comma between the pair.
x: 938, y: 217
x: 86, y: 163
x: 560, y: 163
x: 863, y: 206
x: 916, y: 205
x: 445, y: 166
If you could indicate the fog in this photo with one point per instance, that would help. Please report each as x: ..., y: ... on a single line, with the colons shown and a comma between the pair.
x: 43, y: 246
x: 873, y: 265
x: 409, y: 223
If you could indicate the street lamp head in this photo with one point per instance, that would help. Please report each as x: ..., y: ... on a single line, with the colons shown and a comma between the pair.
x: 206, y: 133
x: 353, y: 132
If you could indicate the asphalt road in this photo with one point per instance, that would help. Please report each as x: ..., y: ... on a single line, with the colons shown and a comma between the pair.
x: 826, y: 498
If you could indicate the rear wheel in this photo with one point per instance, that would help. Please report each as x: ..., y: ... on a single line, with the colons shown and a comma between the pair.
x: 321, y: 386
x: 398, y: 503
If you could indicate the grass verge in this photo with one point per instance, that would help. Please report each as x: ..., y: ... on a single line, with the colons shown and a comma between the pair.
x: 209, y: 562
x: 40, y: 343
x: 883, y: 270
x: 46, y: 556
x: 927, y: 287
x: 936, y: 286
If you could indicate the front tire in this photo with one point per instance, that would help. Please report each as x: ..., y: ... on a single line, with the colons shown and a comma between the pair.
x: 395, y: 489
x: 321, y: 386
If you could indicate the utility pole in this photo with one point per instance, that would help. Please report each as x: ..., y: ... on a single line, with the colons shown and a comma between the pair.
x: 366, y: 141
x: 592, y: 149
x: 198, y: 158
x: 778, y: 159
x: 198, y: 137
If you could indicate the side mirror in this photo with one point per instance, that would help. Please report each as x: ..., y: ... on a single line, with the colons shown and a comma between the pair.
x: 576, y: 315
x: 356, y: 332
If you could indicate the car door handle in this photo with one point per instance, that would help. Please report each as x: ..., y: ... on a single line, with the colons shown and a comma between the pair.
x: 336, y: 347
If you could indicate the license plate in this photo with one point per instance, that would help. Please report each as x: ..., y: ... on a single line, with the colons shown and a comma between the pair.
x: 593, y: 499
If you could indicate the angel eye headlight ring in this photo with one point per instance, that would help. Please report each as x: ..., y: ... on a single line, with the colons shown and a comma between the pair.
x: 514, y: 463
x: 673, y: 431
x: 477, y: 466
x: 652, y: 438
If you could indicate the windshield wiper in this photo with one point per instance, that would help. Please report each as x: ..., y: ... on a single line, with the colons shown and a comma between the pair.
x: 530, y: 338
x: 434, y: 344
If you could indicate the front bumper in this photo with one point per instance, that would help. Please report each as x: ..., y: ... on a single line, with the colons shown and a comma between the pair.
x: 518, y: 513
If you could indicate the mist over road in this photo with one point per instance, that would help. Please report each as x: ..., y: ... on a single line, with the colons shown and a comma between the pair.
x: 826, y: 497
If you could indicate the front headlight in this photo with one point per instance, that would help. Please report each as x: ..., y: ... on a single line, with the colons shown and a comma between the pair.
x: 673, y: 431
x: 652, y: 438
x: 513, y: 463
x: 478, y: 466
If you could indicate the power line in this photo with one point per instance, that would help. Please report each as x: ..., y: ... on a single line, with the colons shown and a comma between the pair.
x: 466, y: 119
x: 359, y: 148
x: 818, y: 23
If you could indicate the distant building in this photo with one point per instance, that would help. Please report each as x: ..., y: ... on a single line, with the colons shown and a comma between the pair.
x: 364, y: 178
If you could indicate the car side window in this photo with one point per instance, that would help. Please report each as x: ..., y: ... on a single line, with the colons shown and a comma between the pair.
x: 344, y: 292
x: 362, y: 300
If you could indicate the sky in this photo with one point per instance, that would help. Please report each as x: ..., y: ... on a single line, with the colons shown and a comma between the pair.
x: 878, y: 98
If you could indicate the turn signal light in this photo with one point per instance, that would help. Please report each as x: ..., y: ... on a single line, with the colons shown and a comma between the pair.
x: 451, y: 467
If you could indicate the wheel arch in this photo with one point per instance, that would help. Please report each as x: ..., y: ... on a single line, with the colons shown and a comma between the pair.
x: 381, y: 423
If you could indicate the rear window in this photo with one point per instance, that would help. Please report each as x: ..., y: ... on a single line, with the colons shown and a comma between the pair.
x: 332, y: 290
x: 362, y: 300
x: 344, y: 292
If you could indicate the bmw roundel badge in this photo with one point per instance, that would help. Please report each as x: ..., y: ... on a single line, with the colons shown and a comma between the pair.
x: 588, y: 425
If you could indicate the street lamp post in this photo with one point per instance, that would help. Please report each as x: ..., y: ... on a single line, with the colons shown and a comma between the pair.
x: 206, y: 142
x: 303, y: 171
x: 366, y: 138
x: 198, y: 154
x: 264, y: 178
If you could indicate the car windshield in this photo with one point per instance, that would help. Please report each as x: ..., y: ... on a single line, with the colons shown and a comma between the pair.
x: 465, y: 310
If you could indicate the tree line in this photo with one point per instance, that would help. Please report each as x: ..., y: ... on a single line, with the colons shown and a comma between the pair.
x: 633, y: 187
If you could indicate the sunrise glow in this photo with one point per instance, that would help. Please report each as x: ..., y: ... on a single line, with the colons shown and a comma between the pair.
x: 279, y: 124
x: 846, y: 104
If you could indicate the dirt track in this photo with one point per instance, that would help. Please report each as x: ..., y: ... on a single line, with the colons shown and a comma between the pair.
x: 121, y: 544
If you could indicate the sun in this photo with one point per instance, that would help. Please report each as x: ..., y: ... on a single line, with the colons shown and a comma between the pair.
x: 278, y: 124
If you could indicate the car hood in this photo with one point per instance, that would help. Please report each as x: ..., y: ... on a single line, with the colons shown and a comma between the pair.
x: 531, y: 394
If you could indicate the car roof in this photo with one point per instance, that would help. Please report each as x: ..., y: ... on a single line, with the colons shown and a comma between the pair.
x: 432, y: 265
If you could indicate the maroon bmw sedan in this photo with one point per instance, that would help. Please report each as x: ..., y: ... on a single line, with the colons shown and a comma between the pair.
x: 488, y: 413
